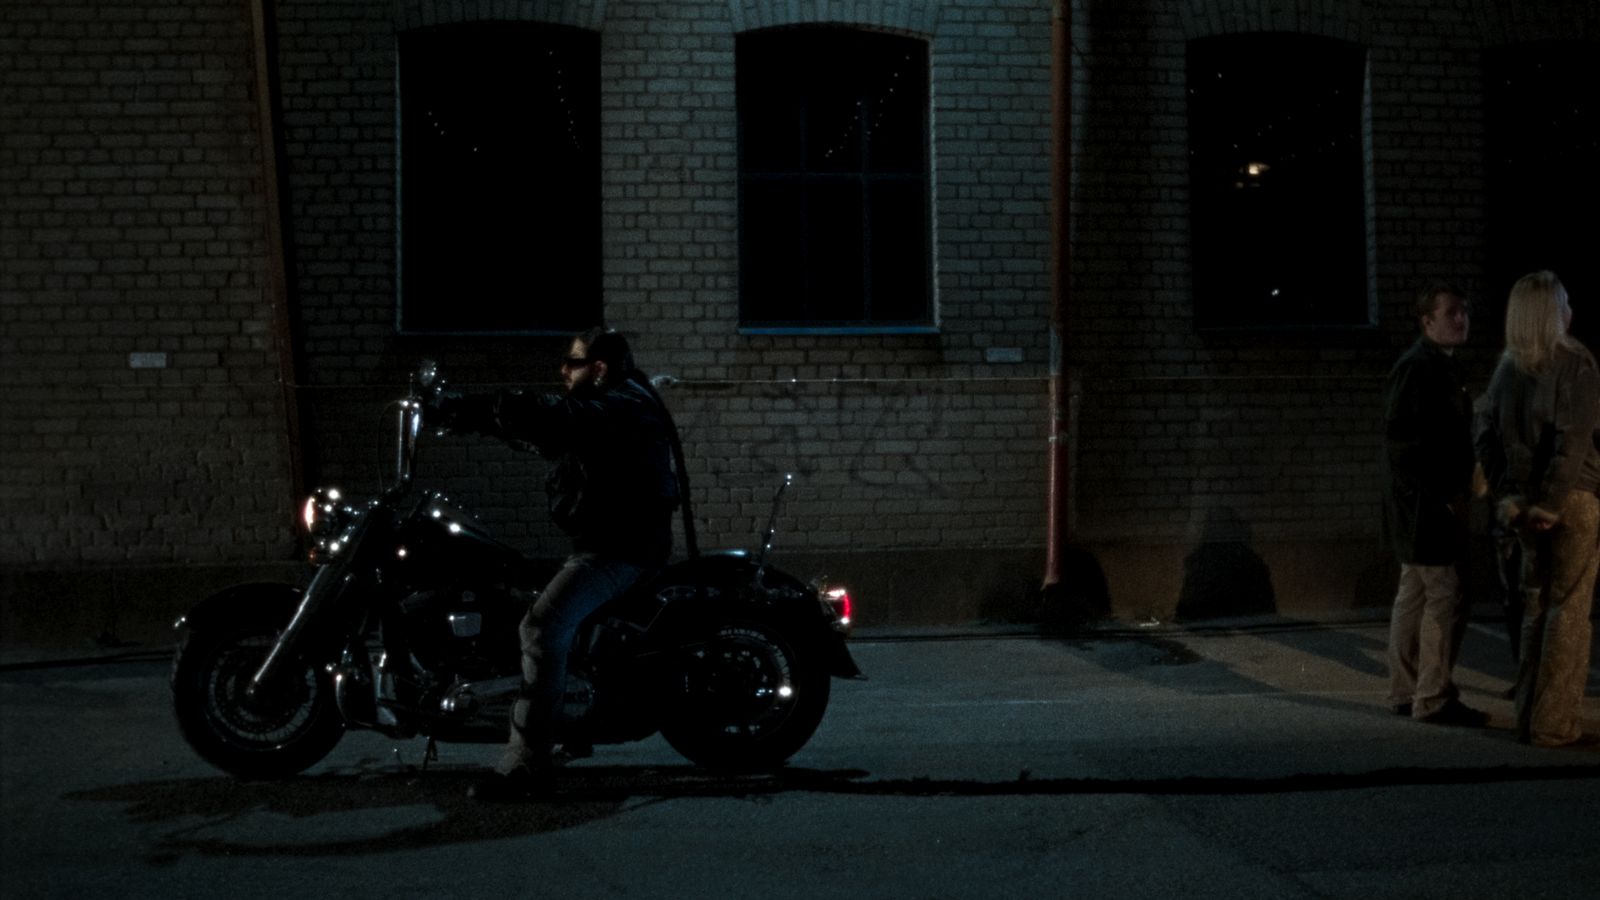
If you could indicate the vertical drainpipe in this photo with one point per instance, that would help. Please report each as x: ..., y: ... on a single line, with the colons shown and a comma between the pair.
x: 1058, y: 525
x: 279, y: 274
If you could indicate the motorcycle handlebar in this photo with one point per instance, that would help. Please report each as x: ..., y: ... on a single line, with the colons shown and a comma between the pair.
x: 427, y: 375
x: 425, y: 380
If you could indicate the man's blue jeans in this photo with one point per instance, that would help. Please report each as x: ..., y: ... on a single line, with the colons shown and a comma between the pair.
x: 548, y: 631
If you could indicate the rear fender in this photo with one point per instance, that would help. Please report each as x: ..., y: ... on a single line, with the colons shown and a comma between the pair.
x: 840, y: 663
x: 742, y: 586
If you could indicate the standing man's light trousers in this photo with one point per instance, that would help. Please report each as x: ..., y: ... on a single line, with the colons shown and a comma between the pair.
x: 1425, y: 631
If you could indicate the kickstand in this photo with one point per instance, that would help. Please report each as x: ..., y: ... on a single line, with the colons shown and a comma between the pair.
x: 429, y: 754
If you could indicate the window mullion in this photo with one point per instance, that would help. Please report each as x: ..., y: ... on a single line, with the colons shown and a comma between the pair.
x: 866, y: 208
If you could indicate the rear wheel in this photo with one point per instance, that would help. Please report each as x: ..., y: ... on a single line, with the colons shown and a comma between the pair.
x: 748, y: 698
x: 277, y: 732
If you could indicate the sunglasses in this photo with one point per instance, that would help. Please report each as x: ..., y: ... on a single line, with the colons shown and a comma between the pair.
x: 575, y: 362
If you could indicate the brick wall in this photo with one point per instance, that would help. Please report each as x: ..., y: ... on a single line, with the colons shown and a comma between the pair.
x: 1273, y: 434
x: 131, y: 236
x: 900, y: 442
x: 131, y: 219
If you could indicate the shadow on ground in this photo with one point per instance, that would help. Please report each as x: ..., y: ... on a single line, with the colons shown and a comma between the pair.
x: 225, y: 817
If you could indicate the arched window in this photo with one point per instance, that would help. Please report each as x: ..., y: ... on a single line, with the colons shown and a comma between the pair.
x: 1277, y: 181
x: 833, y: 179
x: 499, y: 179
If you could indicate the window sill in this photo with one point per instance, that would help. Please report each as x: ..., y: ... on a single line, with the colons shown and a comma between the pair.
x: 1288, y: 329
x: 836, y: 329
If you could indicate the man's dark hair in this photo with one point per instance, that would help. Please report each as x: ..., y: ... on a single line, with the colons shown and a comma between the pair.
x: 1428, y: 298
x: 611, y: 348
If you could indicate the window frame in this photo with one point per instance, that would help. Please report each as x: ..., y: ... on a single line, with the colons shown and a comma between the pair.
x: 536, y: 323
x: 803, y: 38
x: 1218, y: 304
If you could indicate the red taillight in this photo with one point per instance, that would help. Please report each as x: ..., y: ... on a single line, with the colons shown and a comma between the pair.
x: 839, y: 599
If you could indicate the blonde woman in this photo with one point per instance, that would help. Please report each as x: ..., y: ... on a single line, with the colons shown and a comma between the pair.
x: 1541, y: 452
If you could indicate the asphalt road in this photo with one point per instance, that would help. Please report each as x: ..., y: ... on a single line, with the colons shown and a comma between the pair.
x: 1251, y: 762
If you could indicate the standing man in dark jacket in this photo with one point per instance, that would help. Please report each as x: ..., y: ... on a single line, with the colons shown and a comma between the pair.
x: 1428, y: 436
x: 612, y: 489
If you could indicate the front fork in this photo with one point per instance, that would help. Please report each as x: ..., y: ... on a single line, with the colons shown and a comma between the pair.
x: 327, y: 584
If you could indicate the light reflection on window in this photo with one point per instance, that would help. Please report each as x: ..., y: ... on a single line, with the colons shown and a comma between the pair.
x: 499, y: 178
x: 1278, y: 205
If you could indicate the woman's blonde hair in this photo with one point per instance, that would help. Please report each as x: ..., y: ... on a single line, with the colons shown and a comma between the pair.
x: 1536, y: 320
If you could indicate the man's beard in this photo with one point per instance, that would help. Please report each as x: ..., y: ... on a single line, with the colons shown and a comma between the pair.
x: 584, y: 390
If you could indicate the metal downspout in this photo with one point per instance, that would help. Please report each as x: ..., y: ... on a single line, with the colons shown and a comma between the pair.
x: 279, y: 272
x: 1059, y: 526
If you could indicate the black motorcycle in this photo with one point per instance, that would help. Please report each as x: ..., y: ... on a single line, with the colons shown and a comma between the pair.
x: 409, y: 628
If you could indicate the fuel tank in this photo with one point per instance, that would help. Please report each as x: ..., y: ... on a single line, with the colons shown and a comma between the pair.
x: 439, y: 538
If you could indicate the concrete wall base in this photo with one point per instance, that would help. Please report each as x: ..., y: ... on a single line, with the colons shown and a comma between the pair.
x: 92, y: 610
x: 95, y: 610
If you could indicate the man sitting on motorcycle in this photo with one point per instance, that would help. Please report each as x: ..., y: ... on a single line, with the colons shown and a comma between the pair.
x: 612, y: 489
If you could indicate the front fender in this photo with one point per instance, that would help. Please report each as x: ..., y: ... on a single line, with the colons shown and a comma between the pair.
x: 264, y: 603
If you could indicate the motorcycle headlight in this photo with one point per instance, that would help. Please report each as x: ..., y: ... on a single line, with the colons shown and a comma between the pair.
x: 326, y: 518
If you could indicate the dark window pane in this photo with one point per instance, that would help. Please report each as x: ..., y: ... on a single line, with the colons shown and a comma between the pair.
x: 773, y: 222
x: 771, y: 129
x: 833, y: 121
x: 899, y: 251
x: 839, y: 118
x: 500, y: 227
x: 1278, y: 200
x: 834, y: 258
x: 1542, y: 125
x: 895, y: 107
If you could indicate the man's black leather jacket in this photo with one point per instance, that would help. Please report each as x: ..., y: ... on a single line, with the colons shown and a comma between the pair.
x: 613, y: 487
x: 1428, y: 439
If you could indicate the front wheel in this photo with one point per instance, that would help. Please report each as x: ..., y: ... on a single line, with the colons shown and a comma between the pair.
x: 746, y: 699
x: 276, y: 733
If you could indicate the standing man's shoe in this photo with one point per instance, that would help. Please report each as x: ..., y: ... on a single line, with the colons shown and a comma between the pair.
x: 1454, y: 712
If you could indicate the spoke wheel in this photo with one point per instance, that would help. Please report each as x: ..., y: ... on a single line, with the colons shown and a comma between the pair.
x: 746, y: 699
x: 271, y: 733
